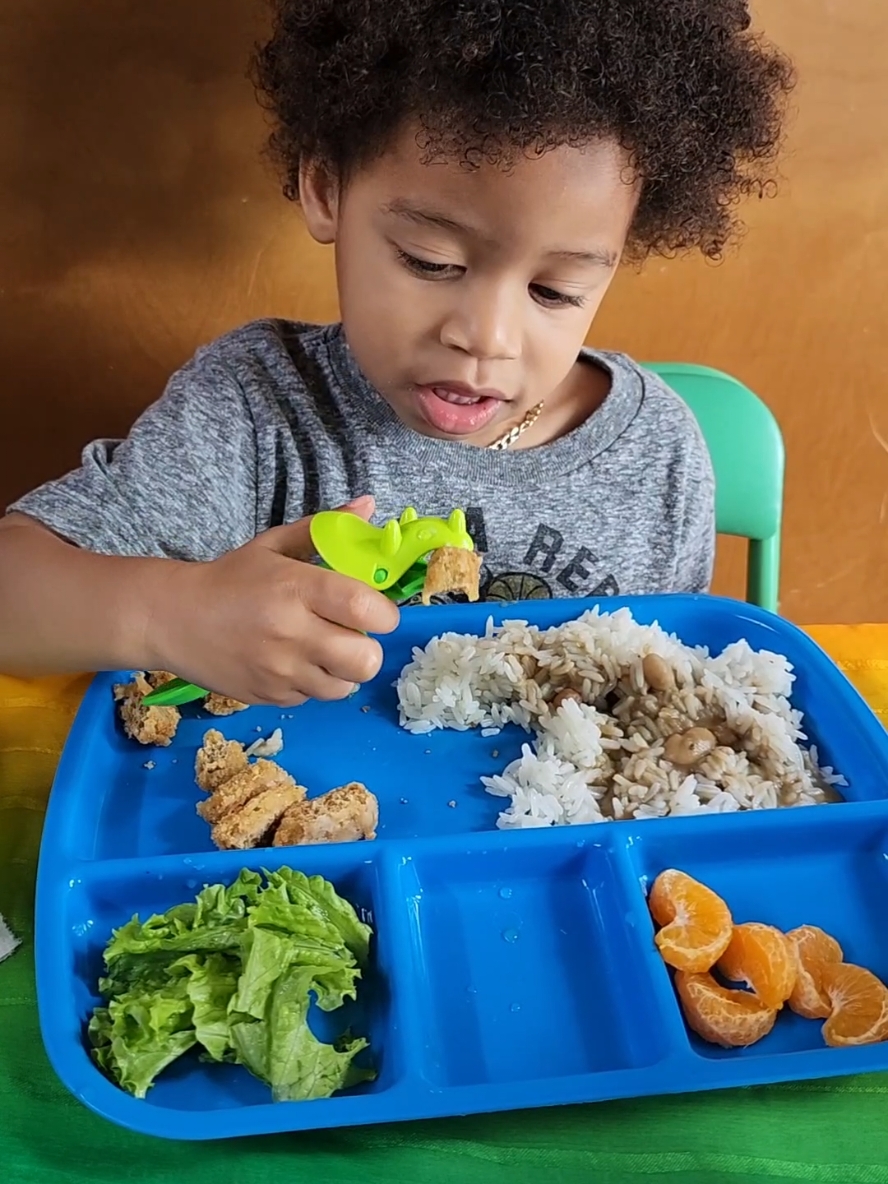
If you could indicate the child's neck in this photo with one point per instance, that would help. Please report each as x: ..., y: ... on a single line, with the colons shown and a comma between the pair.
x: 579, y: 396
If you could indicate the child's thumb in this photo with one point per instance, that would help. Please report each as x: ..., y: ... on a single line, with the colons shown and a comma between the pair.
x: 294, y: 539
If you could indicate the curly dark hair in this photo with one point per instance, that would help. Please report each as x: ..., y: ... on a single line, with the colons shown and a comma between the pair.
x: 694, y: 96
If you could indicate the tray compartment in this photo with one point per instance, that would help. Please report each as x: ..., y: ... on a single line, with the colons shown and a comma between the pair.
x: 813, y: 866
x: 530, y: 963
x: 86, y: 906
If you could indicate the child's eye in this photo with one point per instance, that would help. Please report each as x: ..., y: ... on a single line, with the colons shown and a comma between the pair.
x: 556, y: 299
x: 422, y: 267
x: 428, y: 270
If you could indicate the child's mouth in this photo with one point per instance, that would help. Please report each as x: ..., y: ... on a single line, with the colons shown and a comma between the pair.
x: 456, y: 411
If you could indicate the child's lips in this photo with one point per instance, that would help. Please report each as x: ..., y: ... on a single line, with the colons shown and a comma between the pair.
x: 458, y: 410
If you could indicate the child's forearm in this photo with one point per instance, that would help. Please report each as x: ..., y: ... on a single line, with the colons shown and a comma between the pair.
x: 64, y: 609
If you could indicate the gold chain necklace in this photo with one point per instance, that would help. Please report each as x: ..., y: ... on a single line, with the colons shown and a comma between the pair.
x: 518, y: 430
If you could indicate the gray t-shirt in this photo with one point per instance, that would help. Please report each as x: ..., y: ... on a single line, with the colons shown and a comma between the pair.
x: 275, y: 421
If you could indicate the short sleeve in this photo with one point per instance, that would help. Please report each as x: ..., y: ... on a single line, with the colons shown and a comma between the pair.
x: 182, y: 485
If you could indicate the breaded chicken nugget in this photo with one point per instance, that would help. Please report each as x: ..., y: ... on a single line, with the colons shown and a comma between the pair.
x: 218, y: 760
x: 452, y: 569
x: 343, y: 815
x: 248, y: 826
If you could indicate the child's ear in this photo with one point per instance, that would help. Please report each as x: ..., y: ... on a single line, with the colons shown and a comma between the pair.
x: 319, y: 198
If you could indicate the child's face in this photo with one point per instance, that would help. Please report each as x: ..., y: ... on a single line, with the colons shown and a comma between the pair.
x: 466, y: 295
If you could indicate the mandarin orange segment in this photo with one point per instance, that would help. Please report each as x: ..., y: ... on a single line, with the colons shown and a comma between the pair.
x: 859, y: 1003
x: 695, y: 922
x: 732, y: 1019
x: 764, y: 959
x: 813, y: 949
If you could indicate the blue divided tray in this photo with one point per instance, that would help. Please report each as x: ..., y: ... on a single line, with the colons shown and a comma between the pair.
x: 509, y: 969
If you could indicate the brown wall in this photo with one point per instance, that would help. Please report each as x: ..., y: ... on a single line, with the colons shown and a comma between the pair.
x: 136, y: 221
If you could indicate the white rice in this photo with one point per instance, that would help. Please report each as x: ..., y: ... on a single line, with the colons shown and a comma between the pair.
x: 601, y: 757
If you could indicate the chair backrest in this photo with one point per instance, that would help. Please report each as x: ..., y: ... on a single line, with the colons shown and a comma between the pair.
x: 746, y: 447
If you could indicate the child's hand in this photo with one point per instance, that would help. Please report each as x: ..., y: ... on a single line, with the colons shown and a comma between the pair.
x: 263, y: 626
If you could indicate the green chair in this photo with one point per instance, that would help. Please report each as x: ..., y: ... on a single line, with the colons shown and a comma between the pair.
x: 746, y: 447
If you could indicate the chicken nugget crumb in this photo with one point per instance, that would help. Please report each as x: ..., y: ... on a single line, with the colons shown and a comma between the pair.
x: 452, y: 569
x: 233, y: 794
x: 343, y: 815
x: 223, y: 704
x: 158, y: 678
x: 218, y: 760
x: 249, y: 826
x: 147, y: 725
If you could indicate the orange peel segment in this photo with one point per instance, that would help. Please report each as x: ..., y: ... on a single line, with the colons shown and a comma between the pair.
x: 813, y: 949
x: 859, y: 1005
x: 695, y: 923
x: 732, y: 1019
x: 764, y: 959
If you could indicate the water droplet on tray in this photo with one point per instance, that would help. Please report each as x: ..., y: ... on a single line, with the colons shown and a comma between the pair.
x: 515, y: 1007
x: 505, y: 893
x: 510, y: 935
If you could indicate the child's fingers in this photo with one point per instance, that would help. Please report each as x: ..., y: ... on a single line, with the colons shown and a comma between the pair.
x: 316, y: 683
x: 350, y: 603
x: 344, y: 654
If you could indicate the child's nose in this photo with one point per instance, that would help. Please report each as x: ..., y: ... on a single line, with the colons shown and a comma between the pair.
x: 484, y: 322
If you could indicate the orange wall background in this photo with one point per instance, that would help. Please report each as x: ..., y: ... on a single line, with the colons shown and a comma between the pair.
x: 137, y: 221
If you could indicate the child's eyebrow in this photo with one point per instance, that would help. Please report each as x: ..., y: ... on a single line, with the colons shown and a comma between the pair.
x: 600, y: 256
x: 401, y: 208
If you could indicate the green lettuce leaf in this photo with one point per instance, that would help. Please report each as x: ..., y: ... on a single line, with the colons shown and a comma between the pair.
x: 301, y: 1066
x: 319, y: 896
x: 137, y: 1035
x: 267, y: 957
x: 210, y: 985
x: 217, y: 920
x: 234, y: 972
x: 282, y: 1050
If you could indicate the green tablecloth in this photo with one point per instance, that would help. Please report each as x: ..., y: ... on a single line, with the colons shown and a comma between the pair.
x: 819, y: 1131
